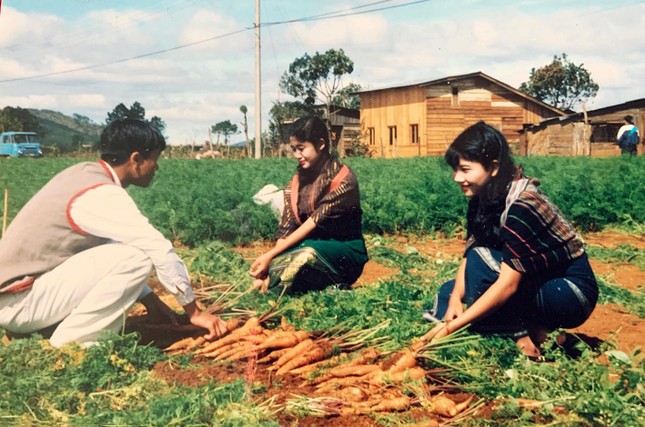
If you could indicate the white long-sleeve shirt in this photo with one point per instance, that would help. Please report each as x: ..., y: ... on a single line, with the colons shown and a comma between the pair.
x: 108, y: 211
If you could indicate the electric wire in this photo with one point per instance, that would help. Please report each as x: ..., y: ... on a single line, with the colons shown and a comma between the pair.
x: 329, y: 15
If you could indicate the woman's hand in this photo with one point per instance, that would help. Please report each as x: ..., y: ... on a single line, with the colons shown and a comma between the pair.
x: 260, y: 267
x: 215, y: 326
x: 455, y: 308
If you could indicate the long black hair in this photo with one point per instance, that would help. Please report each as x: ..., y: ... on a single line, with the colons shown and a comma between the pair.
x: 486, y: 145
x: 311, y: 129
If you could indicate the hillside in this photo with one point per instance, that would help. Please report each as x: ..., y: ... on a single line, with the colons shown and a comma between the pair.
x: 64, y: 132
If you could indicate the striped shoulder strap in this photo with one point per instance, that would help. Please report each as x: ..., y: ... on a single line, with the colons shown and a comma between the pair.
x: 340, y: 176
x: 295, y: 184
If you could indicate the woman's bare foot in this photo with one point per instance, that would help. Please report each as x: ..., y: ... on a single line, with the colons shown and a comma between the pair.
x: 539, y: 335
x: 527, y: 347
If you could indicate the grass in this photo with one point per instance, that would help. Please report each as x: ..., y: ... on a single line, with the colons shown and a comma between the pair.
x: 114, y: 383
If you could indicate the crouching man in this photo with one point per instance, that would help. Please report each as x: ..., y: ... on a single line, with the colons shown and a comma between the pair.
x: 79, y: 254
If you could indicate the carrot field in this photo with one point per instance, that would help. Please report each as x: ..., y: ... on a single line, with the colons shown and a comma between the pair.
x: 338, y: 357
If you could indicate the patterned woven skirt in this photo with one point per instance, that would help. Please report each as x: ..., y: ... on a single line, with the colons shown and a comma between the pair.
x: 316, y: 264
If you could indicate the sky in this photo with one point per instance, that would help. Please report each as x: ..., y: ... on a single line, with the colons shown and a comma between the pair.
x: 193, y: 63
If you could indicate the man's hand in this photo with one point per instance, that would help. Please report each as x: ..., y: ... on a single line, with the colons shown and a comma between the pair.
x: 158, y: 311
x: 215, y: 326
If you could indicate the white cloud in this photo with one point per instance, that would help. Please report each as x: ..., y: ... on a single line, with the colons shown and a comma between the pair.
x: 194, y: 87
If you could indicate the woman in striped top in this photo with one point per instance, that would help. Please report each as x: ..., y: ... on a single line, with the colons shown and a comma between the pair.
x: 525, y: 272
x: 320, y: 240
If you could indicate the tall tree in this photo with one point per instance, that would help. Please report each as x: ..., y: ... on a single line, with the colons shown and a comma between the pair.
x: 224, y: 129
x: 16, y: 119
x: 245, y: 128
x: 317, y: 77
x: 136, y: 111
x: 346, y: 98
x: 561, y: 83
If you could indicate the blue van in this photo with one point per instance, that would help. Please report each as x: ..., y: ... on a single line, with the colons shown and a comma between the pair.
x: 20, y: 144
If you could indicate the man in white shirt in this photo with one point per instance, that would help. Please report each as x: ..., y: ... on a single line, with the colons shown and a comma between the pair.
x: 79, y: 254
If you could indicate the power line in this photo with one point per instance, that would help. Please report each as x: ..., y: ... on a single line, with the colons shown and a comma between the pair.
x: 329, y: 15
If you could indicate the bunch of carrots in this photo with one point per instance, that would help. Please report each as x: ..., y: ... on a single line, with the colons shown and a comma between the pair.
x: 285, y: 348
x: 360, y: 382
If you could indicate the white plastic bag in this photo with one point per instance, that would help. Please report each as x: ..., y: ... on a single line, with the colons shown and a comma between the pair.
x: 270, y: 194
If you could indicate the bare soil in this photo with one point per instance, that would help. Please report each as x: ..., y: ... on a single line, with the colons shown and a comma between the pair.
x: 607, y: 322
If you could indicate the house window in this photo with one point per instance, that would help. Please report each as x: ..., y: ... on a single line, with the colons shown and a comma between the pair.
x: 604, y: 132
x: 392, y: 130
x: 455, y: 96
x: 371, y: 136
x: 414, y: 134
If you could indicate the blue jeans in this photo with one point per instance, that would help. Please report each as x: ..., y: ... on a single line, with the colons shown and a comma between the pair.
x: 562, y: 298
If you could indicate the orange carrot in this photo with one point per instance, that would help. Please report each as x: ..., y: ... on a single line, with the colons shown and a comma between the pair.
x: 235, y: 350
x: 359, y: 370
x: 298, y: 349
x: 406, y: 360
x: 244, y: 352
x: 285, y: 325
x: 303, y: 370
x: 232, y: 324
x: 251, y: 324
x: 274, y: 355
x: 444, y: 406
x: 395, y: 404
x: 283, y: 339
x: 351, y: 394
x: 336, y: 383
x: 223, y: 349
x: 181, y: 344
x: 461, y: 406
x: 400, y: 403
x: 313, y: 355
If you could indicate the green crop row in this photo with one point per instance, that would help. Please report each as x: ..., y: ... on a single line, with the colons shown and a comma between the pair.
x: 196, y: 201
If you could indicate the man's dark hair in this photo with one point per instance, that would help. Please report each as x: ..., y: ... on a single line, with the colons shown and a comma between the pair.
x: 123, y: 137
x: 629, y: 119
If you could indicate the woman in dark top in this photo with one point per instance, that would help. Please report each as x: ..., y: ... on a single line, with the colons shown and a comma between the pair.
x: 525, y: 272
x: 320, y: 238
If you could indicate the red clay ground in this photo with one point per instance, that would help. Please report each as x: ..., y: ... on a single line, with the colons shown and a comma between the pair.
x: 608, y: 322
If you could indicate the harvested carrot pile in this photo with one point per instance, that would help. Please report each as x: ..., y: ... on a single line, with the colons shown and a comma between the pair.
x: 348, y: 378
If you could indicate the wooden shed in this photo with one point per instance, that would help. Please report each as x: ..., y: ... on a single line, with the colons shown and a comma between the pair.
x: 583, y: 134
x: 424, y: 118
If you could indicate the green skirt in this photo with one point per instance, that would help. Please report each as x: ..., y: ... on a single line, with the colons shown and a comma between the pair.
x: 315, y: 264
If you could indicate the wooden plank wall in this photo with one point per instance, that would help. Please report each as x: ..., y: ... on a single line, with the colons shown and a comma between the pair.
x: 478, y: 99
x: 398, y: 107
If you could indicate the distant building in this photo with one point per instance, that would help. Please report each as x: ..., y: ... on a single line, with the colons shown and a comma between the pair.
x: 423, y: 119
x: 583, y: 134
x: 344, y: 126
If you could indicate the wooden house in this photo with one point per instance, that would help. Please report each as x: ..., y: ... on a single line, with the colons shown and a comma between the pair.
x: 583, y: 134
x: 345, y: 126
x: 424, y: 118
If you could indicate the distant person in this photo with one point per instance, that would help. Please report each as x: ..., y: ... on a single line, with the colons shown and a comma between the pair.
x: 320, y: 236
x: 79, y: 254
x: 525, y: 272
x: 628, y: 137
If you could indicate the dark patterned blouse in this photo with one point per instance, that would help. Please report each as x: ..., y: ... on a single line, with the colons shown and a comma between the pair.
x: 535, y: 236
x: 330, y: 196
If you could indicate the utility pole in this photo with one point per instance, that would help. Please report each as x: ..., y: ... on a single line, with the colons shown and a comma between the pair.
x: 258, y: 85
